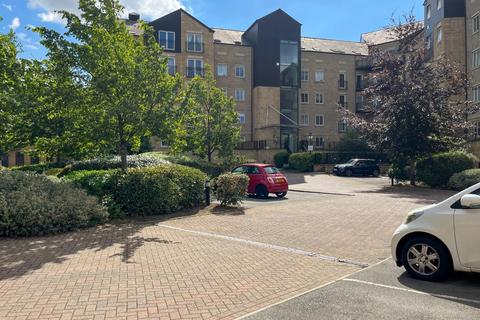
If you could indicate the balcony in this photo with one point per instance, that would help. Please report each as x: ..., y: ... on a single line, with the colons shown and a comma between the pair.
x: 342, y: 84
x: 343, y: 104
x: 196, y: 47
x: 192, y: 72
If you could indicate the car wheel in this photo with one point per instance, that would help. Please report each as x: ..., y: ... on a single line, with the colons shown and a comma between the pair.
x: 281, y: 194
x: 261, y: 192
x: 376, y: 173
x: 426, y: 259
x: 348, y: 173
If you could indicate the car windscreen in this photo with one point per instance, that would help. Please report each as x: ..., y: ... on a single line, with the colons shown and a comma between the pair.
x: 271, y: 170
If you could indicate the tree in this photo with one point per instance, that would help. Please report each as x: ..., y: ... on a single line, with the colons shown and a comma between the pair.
x: 352, y: 142
x: 416, y: 105
x: 125, y: 91
x: 210, y: 124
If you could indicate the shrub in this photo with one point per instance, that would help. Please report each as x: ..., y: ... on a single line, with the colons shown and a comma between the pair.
x: 133, y: 161
x: 281, y: 158
x: 231, y: 189
x: 439, y: 168
x: 40, y: 168
x: 465, y: 179
x: 301, y: 161
x: 158, y: 190
x: 399, y: 172
x: 211, y: 169
x: 32, y: 204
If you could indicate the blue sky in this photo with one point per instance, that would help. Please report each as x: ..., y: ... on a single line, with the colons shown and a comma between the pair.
x: 333, y: 19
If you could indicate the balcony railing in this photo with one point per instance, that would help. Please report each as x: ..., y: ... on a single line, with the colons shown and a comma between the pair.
x: 343, y: 104
x: 195, y: 46
x: 192, y: 72
x: 343, y: 84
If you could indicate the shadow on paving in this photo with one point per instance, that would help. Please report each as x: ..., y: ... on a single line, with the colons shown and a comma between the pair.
x: 20, y: 256
x: 419, y: 194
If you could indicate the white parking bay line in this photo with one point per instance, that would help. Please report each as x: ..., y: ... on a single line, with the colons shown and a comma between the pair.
x: 413, y: 291
x: 271, y: 246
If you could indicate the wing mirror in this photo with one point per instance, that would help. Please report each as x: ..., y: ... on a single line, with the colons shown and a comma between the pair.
x: 470, y: 201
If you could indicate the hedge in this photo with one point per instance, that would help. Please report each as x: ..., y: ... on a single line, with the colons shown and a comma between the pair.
x: 33, y: 205
x: 465, y: 179
x: 40, y: 168
x: 437, y: 170
x: 231, y: 188
x: 302, y: 161
x: 281, y: 158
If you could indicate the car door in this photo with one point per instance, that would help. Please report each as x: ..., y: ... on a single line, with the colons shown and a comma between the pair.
x: 256, y: 178
x: 359, y: 167
x: 467, y: 235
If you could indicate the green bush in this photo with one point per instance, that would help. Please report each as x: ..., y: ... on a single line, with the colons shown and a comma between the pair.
x: 158, y: 190
x: 133, y: 161
x: 40, y: 168
x: 399, y: 173
x: 209, y: 168
x: 231, y: 189
x: 281, y: 158
x: 465, y: 179
x: 437, y: 170
x: 302, y: 161
x: 32, y: 204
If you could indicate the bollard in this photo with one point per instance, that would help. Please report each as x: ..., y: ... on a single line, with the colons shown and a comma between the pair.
x: 207, y: 192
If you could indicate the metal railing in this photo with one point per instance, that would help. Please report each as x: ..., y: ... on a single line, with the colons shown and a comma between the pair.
x: 192, y: 72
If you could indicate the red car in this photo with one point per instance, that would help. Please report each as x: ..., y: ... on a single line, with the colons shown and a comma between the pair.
x: 264, y: 179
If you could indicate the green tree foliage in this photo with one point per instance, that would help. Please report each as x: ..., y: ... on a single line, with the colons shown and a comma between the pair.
x: 125, y: 91
x: 210, y: 124
x: 414, y: 103
x: 352, y: 142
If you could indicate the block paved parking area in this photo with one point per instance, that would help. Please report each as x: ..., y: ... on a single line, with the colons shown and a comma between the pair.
x: 210, y: 265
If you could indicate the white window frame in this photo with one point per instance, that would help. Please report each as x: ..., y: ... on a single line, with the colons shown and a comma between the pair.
x: 166, y: 39
x: 345, y: 81
x: 196, y: 36
x: 242, y: 119
x: 226, y: 70
x: 319, y: 94
x: 345, y: 100
x: 224, y: 90
x: 317, y: 117
x: 304, y: 94
x: 318, y: 72
x: 174, y: 65
x: 344, y: 127
x: 319, y: 145
x: 476, y: 93
x: 237, y: 68
x: 195, y: 73
x: 439, y: 34
x: 304, y: 119
x: 476, y: 23
x: 429, y: 11
x: 304, y: 75
x: 240, y: 94
x: 439, y: 4
x: 476, y: 58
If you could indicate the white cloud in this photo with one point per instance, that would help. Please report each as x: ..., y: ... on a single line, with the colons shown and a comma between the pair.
x: 31, y: 47
x: 148, y: 9
x: 23, y: 37
x: 15, y: 23
x: 7, y: 6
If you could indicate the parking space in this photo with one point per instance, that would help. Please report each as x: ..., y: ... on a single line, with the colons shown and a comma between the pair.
x: 384, y: 292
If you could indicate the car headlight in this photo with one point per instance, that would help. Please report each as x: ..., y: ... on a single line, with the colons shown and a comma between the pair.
x: 412, y: 216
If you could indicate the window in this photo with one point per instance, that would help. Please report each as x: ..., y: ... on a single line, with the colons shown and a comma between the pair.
x: 172, y: 69
x: 342, y: 81
x: 304, y: 76
x: 429, y: 42
x: 240, y: 71
x: 319, y: 75
x: 304, y: 97
x: 429, y: 11
x: 476, y: 58
x: 439, y: 4
x: 476, y: 94
x: 240, y: 94
x: 194, y: 42
x: 477, y: 129
x: 476, y: 23
x: 241, y: 118
x: 289, y: 51
x: 319, y: 120
x: 319, y: 142
x: 222, y: 70
x: 167, y: 39
x: 439, y: 34
x: 342, y: 126
x: 225, y: 91
x: 342, y: 101
x: 304, y: 121
x: 318, y: 98
x: 194, y: 67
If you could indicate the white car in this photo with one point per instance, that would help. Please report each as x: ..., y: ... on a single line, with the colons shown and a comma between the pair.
x: 437, y: 239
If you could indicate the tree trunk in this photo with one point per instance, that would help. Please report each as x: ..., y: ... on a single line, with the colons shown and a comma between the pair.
x: 123, y: 156
x: 209, y: 156
x: 413, y: 173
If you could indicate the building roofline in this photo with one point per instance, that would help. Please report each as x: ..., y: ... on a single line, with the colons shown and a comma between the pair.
x: 188, y: 14
x: 278, y: 10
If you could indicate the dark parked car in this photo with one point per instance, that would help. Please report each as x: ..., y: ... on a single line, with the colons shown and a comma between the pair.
x: 362, y: 167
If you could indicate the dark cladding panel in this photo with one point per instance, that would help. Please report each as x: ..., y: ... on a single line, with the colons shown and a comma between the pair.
x: 170, y: 22
x: 455, y: 8
x: 265, y: 36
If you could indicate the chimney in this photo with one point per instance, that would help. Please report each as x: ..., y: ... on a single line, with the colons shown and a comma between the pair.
x: 133, y: 16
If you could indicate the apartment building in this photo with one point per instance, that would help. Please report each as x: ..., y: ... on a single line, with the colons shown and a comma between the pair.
x: 288, y: 88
